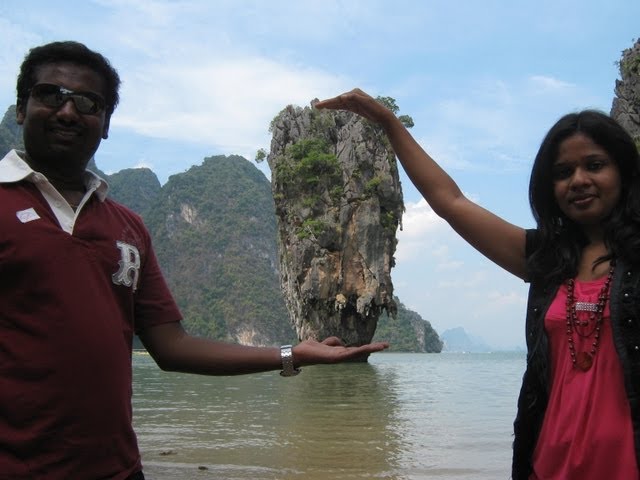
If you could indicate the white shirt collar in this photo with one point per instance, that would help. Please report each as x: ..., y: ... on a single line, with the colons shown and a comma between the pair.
x: 14, y: 169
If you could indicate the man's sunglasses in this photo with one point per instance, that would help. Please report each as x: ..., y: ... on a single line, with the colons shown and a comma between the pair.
x: 55, y: 96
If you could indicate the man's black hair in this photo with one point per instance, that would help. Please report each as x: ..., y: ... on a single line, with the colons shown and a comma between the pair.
x: 73, y: 52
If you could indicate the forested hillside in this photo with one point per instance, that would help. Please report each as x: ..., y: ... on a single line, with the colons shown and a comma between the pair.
x: 214, y: 232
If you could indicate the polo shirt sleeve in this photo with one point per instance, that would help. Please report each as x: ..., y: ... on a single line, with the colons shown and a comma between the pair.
x: 154, y: 303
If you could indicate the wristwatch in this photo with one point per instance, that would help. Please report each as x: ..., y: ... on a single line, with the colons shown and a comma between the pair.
x: 286, y: 355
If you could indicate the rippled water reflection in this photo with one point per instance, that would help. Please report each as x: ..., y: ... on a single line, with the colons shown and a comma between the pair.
x: 400, y: 416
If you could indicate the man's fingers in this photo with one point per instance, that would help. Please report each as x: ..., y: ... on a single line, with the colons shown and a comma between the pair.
x: 333, y: 342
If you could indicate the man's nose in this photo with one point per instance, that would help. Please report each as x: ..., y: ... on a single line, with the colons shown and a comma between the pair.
x: 68, y: 110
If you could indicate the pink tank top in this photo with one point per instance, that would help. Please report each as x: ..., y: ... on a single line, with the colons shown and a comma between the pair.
x: 587, y: 431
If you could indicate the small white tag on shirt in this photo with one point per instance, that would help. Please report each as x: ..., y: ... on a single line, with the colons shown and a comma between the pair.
x: 27, y: 215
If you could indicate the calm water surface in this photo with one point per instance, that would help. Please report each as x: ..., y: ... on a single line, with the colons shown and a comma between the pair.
x: 401, y: 416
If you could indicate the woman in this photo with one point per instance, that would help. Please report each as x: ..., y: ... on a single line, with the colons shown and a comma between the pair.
x: 580, y: 396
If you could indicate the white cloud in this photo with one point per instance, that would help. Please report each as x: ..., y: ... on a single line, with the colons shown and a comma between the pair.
x: 503, y: 299
x: 546, y: 84
x: 421, y: 234
x: 226, y: 104
x: 470, y: 282
x: 450, y: 284
x: 144, y: 164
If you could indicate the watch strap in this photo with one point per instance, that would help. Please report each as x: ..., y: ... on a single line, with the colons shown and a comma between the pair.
x: 286, y: 356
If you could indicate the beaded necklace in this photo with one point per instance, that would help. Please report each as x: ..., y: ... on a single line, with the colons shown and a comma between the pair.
x: 584, y: 360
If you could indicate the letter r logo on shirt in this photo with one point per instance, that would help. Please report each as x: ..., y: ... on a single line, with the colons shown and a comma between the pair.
x: 129, y: 263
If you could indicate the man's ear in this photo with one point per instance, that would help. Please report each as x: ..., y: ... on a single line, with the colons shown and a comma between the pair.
x: 20, y: 114
x: 105, y: 128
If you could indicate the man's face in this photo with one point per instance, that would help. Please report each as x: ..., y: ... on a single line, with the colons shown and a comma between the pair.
x: 62, y: 137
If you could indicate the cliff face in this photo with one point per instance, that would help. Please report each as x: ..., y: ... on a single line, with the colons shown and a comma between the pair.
x: 214, y: 233
x: 626, y: 104
x: 338, y: 204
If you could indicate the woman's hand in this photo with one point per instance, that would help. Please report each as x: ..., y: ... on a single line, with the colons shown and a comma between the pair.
x: 361, y: 103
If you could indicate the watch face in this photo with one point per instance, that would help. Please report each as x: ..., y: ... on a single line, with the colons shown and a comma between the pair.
x: 286, y: 355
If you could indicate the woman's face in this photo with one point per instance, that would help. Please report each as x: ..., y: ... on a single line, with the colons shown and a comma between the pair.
x: 586, y: 181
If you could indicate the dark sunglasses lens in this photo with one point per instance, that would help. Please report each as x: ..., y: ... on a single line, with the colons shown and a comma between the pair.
x: 49, y: 95
x: 84, y: 104
x: 54, y: 96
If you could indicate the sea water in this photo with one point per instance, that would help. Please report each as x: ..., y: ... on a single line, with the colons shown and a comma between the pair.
x: 399, y: 416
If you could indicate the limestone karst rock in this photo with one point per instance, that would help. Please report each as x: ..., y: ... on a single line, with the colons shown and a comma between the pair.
x: 338, y: 205
x: 626, y: 103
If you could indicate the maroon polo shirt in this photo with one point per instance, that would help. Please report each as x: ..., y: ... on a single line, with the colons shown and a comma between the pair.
x: 69, y: 305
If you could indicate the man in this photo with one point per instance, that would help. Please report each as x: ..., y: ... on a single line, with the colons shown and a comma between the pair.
x: 78, y: 276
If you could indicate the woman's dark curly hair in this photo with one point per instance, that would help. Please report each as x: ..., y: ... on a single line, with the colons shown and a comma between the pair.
x: 73, y: 52
x: 560, y: 240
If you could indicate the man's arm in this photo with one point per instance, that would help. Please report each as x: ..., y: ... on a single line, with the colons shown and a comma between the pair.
x: 174, y: 349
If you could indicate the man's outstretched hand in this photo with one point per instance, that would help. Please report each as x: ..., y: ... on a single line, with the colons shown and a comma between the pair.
x: 331, y: 350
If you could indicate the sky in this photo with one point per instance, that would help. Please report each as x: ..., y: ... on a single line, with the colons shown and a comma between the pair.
x: 482, y: 80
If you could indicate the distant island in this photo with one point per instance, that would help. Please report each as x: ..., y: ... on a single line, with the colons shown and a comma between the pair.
x: 458, y: 340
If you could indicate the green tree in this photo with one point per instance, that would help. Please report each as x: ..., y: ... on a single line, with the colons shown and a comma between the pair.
x: 391, y: 104
x: 261, y: 155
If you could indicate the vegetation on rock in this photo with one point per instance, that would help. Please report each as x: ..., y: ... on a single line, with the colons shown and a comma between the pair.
x: 626, y: 103
x: 338, y: 204
x: 407, y: 331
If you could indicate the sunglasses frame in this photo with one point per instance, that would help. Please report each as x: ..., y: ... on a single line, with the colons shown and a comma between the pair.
x: 62, y: 95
